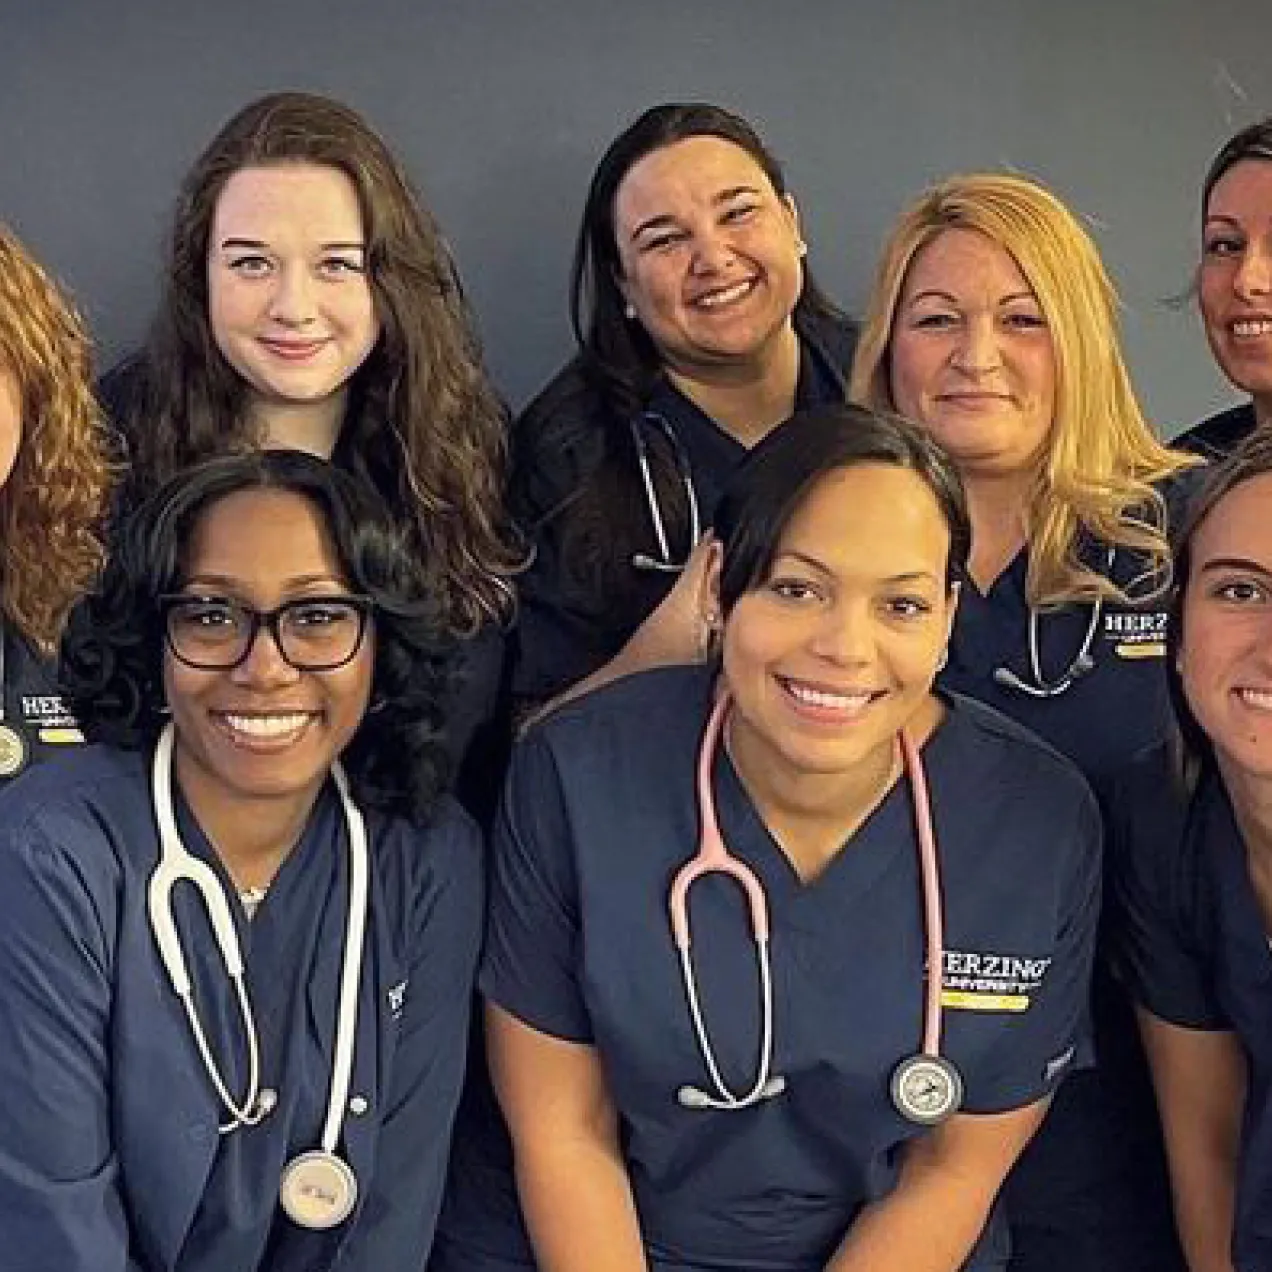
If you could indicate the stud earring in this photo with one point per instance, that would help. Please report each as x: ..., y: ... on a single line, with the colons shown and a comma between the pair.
x: 629, y: 312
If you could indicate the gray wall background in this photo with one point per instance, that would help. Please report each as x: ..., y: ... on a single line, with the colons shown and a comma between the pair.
x: 501, y: 107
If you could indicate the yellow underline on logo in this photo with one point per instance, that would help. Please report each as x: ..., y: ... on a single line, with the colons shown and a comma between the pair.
x: 984, y: 1002
x: 62, y: 737
x: 1154, y: 649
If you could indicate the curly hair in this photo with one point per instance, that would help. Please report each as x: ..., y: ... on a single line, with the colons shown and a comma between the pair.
x: 424, y: 426
x: 52, y: 505
x: 113, y: 652
x: 1102, y: 460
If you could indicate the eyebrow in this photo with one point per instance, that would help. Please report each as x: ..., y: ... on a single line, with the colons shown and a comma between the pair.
x: 258, y: 245
x: 909, y: 576
x: 1242, y: 564
x: 935, y: 293
x: 231, y: 584
x: 664, y: 219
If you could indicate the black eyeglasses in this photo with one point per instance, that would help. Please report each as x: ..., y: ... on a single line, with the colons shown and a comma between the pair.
x: 312, y: 633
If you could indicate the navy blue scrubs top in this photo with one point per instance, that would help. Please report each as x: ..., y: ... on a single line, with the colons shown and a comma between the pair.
x: 34, y: 706
x: 1193, y: 949
x: 599, y: 814
x: 109, y: 1153
x: 565, y: 632
x: 1090, y: 1190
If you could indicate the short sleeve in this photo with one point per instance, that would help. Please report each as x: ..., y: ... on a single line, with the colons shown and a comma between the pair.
x: 1156, y: 950
x: 531, y: 962
x: 1053, y: 1037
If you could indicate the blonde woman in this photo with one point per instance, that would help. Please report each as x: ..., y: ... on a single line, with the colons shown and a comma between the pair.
x: 54, y: 478
x: 993, y: 324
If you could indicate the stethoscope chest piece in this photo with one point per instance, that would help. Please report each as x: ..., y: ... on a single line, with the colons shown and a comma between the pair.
x: 926, y: 1089
x: 318, y: 1190
x: 13, y: 751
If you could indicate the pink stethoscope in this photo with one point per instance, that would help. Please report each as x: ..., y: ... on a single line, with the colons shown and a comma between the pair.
x: 925, y: 1087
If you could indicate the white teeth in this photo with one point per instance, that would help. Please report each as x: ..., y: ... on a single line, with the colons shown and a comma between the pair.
x: 271, y: 726
x: 834, y: 701
x: 1252, y: 327
x: 1259, y: 699
x: 725, y: 295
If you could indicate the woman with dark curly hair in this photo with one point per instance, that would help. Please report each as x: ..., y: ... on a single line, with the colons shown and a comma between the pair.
x: 54, y: 479
x: 237, y: 941
x: 309, y: 301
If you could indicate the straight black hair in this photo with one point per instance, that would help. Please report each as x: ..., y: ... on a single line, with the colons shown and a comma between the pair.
x: 775, y: 479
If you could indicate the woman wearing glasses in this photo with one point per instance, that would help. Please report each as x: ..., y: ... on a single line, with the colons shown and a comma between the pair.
x: 237, y: 940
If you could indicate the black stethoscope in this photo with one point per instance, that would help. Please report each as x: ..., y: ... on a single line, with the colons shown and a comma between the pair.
x: 318, y: 1188
x: 926, y: 1087
x: 1080, y: 665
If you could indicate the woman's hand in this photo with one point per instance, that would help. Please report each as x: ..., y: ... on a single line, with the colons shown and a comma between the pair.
x: 677, y: 632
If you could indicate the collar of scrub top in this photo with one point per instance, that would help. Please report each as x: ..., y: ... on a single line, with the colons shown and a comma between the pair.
x: 713, y: 857
x: 304, y: 1200
x: 1080, y: 665
x: 666, y: 562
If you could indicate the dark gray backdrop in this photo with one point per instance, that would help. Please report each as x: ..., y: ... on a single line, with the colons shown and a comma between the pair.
x: 500, y: 108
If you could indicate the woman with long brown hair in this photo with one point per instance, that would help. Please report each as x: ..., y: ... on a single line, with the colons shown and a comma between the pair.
x: 310, y: 302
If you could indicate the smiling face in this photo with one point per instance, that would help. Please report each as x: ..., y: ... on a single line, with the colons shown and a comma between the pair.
x: 288, y: 296
x: 709, y: 253
x: 262, y: 730
x: 832, y: 654
x: 1225, y: 648
x: 971, y: 358
x: 1234, y: 283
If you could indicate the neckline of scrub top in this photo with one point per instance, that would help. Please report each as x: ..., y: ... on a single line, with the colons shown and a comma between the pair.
x: 199, y: 844
x: 870, y: 851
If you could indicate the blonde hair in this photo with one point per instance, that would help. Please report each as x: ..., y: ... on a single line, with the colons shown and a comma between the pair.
x: 52, y: 505
x: 1102, y: 458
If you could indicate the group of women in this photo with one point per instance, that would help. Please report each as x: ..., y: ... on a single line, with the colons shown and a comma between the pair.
x: 801, y: 939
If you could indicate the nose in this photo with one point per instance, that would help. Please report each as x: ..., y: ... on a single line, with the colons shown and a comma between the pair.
x: 1253, y: 279
x: 292, y: 303
x: 845, y: 635
x: 712, y: 251
x: 264, y: 666
x: 977, y: 350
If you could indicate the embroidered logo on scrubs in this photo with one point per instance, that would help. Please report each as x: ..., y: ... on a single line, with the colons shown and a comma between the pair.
x: 1136, y: 635
x: 977, y: 981
x: 397, y: 1000
x: 49, y: 714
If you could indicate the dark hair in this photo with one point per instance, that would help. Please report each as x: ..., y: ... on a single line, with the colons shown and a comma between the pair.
x: 1252, y: 142
x: 114, y: 647
x: 776, y: 478
x: 615, y: 354
x: 1253, y: 458
x: 424, y: 426
x: 585, y: 412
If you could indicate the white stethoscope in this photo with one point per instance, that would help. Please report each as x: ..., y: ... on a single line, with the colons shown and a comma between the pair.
x: 926, y: 1088
x: 1081, y: 664
x: 665, y: 562
x: 318, y: 1188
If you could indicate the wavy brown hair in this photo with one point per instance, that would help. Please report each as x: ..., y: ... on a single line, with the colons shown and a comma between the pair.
x: 53, y: 502
x: 424, y: 426
x: 1102, y: 460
